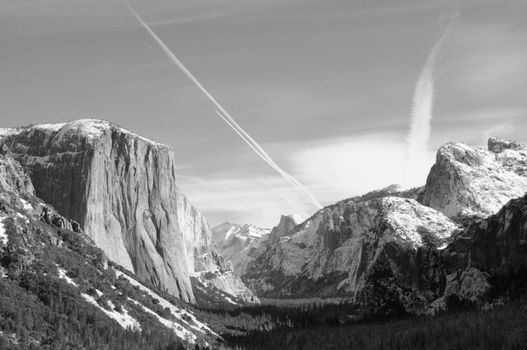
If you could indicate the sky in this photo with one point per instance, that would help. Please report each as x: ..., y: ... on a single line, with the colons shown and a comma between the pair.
x: 328, y: 88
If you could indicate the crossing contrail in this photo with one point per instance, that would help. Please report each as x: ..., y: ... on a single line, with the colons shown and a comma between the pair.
x: 223, y: 113
x: 422, y: 108
x: 261, y: 152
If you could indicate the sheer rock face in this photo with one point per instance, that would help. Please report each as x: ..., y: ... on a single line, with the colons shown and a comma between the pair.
x: 471, y: 182
x: 337, y: 252
x: 122, y: 190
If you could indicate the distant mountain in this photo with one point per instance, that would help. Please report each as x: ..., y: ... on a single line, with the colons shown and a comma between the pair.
x: 237, y: 243
x: 393, y: 247
x: 240, y: 244
x: 332, y: 253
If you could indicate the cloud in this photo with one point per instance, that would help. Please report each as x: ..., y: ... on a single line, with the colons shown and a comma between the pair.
x: 333, y: 169
x: 337, y: 169
x: 243, y: 198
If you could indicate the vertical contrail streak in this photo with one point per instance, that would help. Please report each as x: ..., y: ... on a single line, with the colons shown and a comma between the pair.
x: 223, y: 113
x: 422, y: 108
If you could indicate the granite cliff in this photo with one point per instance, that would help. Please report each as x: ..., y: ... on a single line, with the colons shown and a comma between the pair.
x: 407, y: 250
x: 467, y: 182
x: 333, y: 253
x: 121, y: 189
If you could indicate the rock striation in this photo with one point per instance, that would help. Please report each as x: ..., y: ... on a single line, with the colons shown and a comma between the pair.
x: 121, y: 188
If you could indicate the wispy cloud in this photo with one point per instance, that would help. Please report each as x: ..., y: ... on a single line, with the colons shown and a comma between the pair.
x: 346, y: 167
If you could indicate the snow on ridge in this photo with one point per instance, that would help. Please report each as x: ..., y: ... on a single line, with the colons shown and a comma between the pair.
x: 90, y: 128
x: 180, y: 331
x: 51, y: 127
x: 227, y: 231
x: 7, y: 131
x: 124, y: 319
x: 407, y: 216
x: 181, y: 314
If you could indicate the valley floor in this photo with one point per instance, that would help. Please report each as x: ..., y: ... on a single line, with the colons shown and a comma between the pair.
x: 501, y: 328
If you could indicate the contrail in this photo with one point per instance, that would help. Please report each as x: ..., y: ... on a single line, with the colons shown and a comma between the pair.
x: 294, y: 206
x: 261, y: 152
x: 223, y: 113
x: 422, y: 107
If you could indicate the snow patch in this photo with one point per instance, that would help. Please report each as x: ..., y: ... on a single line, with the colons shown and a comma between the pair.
x: 442, y: 246
x: 181, y: 314
x: 177, y: 328
x: 229, y: 300
x: 411, y: 220
x: 65, y: 277
x: 124, y: 319
x: 25, y: 204
x: 89, y: 128
x: 3, y: 235
x: 8, y: 131
x: 22, y: 217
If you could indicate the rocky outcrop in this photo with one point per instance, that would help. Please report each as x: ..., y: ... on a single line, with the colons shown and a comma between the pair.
x: 286, y: 224
x: 471, y: 182
x: 121, y: 189
x: 496, y: 145
x: 342, y: 248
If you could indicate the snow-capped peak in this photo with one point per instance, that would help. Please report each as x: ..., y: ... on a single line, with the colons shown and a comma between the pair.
x: 227, y: 231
